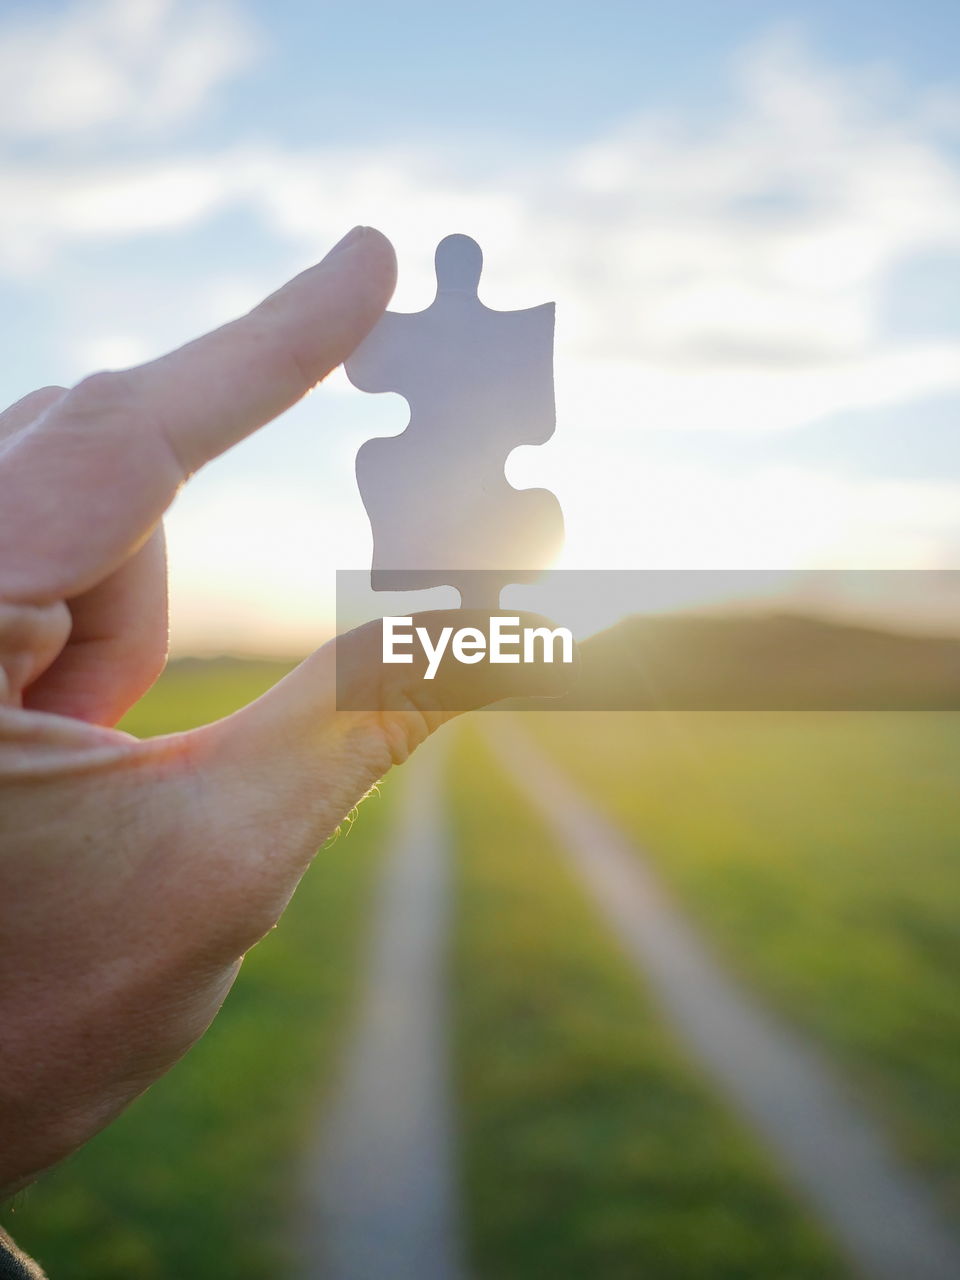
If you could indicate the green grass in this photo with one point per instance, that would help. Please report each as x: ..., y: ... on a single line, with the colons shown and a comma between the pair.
x: 590, y: 1146
x: 199, y: 1178
x: 821, y: 853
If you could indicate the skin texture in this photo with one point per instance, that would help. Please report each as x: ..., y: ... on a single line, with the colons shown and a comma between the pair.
x: 134, y: 875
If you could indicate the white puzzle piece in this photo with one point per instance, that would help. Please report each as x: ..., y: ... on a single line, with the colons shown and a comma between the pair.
x: 479, y: 383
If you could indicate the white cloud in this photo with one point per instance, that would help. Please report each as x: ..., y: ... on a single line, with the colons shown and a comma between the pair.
x: 723, y: 274
x: 709, y: 274
x: 129, y: 65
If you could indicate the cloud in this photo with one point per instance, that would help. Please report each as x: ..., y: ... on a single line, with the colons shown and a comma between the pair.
x: 719, y: 273
x: 115, y: 65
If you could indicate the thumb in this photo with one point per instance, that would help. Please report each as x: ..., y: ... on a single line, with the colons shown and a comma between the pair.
x: 293, y: 763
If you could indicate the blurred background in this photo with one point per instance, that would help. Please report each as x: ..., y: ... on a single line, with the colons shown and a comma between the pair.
x: 749, y: 217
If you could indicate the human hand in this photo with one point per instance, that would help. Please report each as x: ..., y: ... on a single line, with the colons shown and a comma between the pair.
x: 134, y: 875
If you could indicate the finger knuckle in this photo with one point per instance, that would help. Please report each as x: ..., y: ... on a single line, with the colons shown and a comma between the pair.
x: 44, y: 396
x: 104, y: 394
x: 405, y: 726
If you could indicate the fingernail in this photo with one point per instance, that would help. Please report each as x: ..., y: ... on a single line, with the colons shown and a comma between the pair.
x: 350, y: 238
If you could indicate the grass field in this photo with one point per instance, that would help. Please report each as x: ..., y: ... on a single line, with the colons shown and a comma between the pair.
x: 591, y: 1148
x: 199, y: 1178
x: 818, y: 852
x: 821, y: 853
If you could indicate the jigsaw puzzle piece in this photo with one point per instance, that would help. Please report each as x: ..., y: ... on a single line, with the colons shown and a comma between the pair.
x: 479, y: 383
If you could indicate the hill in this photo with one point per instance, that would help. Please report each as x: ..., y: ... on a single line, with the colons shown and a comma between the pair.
x: 775, y: 661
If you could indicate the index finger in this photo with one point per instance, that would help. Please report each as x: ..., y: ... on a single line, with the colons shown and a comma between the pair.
x: 82, y: 489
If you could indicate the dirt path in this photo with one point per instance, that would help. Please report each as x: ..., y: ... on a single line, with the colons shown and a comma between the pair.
x: 382, y: 1188
x: 825, y: 1144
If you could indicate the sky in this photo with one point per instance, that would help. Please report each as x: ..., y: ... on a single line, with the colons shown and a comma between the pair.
x: 747, y: 213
